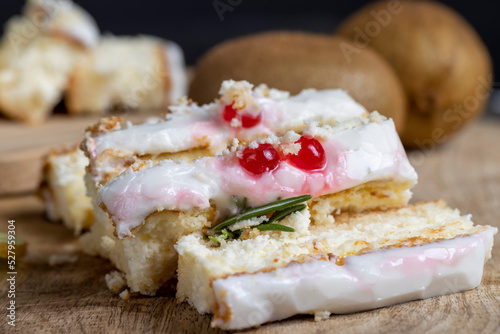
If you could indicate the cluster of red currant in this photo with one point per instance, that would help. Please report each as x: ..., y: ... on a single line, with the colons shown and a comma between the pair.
x: 265, y: 158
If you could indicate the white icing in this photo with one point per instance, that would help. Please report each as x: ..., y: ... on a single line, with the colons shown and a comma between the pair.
x: 182, y: 131
x: 364, y: 282
x: 371, y: 151
x: 196, y: 126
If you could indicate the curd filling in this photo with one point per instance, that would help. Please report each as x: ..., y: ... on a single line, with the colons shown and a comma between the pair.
x: 263, y: 172
x: 241, y: 112
x: 363, y: 282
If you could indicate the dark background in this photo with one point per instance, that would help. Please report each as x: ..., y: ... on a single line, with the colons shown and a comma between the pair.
x: 196, y: 25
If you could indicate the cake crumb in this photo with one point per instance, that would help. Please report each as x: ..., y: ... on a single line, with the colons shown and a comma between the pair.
x: 291, y: 149
x: 125, y: 294
x: 247, y: 223
x: 183, y: 106
x: 376, y: 117
x: 264, y: 91
x: 58, y: 259
x: 116, y: 282
x: 238, y: 94
x: 250, y: 234
x: 321, y: 315
x: 236, y: 123
x: 107, y: 243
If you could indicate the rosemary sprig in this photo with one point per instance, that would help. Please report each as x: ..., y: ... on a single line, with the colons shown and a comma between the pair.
x: 240, y: 205
x: 282, y: 214
x: 260, y: 211
x: 225, y: 234
x: 275, y: 227
x: 236, y: 201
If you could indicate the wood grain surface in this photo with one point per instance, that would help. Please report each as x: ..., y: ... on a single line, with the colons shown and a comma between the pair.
x: 73, y: 298
x: 22, y: 146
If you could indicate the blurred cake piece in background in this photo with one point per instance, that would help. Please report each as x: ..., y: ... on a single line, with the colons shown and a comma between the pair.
x: 140, y: 72
x: 37, y: 53
x: 63, y: 18
x: 63, y: 189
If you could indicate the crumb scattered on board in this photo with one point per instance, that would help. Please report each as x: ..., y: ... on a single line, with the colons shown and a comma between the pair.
x: 58, y: 259
x: 124, y: 294
x: 116, y: 282
x: 321, y: 315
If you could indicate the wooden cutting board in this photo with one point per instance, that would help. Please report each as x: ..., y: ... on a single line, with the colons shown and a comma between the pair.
x: 22, y: 146
x: 73, y: 298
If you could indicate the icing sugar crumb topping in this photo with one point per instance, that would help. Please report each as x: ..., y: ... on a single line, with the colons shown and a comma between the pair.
x: 290, y: 137
x: 182, y: 107
x: 232, y: 148
x: 289, y: 143
x: 316, y: 129
x: 291, y: 149
x: 264, y: 91
x: 239, y: 95
x: 235, y: 123
x: 272, y: 139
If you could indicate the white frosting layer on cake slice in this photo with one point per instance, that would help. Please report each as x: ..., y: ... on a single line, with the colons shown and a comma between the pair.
x: 191, y: 126
x: 356, y: 152
x: 363, y: 282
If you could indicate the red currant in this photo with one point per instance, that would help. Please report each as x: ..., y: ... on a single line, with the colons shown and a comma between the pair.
x: 258, y: 160
x: 311, y: 155
x: 229, y: 113
x: 248, y: 120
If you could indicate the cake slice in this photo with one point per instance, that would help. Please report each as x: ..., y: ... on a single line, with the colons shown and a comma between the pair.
x: 359, y: 262
x: 36, y: 60
x: 63, y: 189
x: 362, y: 165
x: 241, y: 112
x: 113, y: 144
x: 324, y: 160
x: 135, y: 73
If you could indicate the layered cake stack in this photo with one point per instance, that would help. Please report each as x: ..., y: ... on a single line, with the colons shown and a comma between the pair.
x: 266, y: 205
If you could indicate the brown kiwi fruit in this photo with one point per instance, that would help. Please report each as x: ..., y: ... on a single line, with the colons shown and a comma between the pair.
x: 294, y: 61
x: 443, y: 65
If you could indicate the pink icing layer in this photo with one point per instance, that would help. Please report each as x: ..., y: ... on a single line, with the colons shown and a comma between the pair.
x: 286, y: 180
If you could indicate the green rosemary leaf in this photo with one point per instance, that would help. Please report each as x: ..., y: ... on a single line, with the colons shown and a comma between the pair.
x: 236, y: 201
x: 214, y: 239
x: 275, y: 227
x: 240, y: 205
x: 260, y: 211
x: 225, y: 235
x: 282, y: 214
